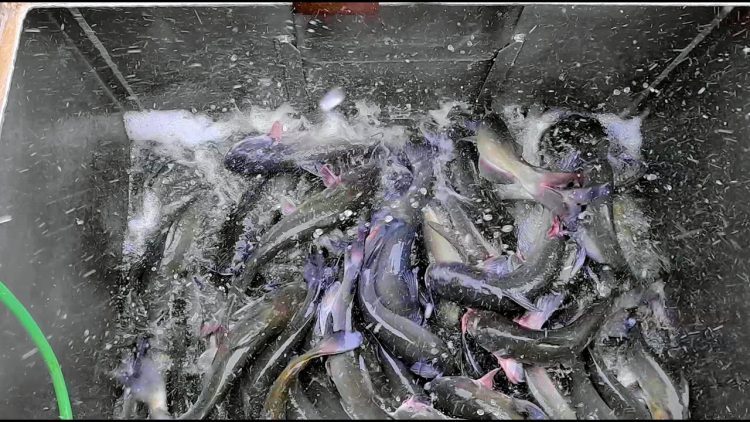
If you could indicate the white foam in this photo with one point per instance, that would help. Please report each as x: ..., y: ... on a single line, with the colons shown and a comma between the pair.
x: 143, y: 224
x: 626, y: 133
x: 441, y: 114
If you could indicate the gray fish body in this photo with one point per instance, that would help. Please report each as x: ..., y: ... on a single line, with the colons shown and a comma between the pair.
x: 468, y: 286
x: 357, y: 396
x: 401, y: 383
x: 619, y: 398
x: 407, y: 340
x: 389, y: 270
x: 260, y: 155
x: 662, y: 396
x: 323, y: 394
x: 264, y: 321
x: 545, y: 393
x: 276, y: 356
x: 586, y: 400
x: 499, y: 335
x: 300, y: 407
x: 462, y: 397
x: 536, y: 273
x: 322, y: 210
x: 278, y: 395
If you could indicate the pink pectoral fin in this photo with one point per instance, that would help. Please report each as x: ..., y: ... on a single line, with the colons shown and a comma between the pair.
x: 330, y: 179
x: 488, y: 380
x: 277, y: 130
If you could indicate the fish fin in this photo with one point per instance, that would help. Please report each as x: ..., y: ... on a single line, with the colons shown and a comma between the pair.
x: 488, y: 380
x: 470, y: 312
x: 425, y: 370
x: 425, y: 299
x: 493, y: 173
x: 410, y: 279
x: 580, y: 259
x: 443, y: 232
x: 522, y: 300
x: 528, y: 408
x: 555, y: 231
x: 330, y: 179
x: 684, y: 391
x: 497, y: 265
x: 469, y: 356
x: 513, y: 369
x: 287, y: 205
x: 547, y: 305
x: 277, y: 129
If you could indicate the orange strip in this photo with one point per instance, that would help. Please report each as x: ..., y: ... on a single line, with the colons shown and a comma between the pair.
x: 333, y: 8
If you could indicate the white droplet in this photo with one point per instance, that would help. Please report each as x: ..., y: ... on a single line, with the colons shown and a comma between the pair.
x: 388, y: 218
x: 348, y: 213
x: 487, y: 217
x: 233, y: 58
x: 651, y: 177
x: 317, y: 233
x: 450, y: 48
x: 701, y: 91
x: 616, y: 92
x: 507, y: 228
x: 332, y: 99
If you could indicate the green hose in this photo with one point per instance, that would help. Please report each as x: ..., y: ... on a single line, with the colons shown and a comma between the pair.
x: 31, y: 327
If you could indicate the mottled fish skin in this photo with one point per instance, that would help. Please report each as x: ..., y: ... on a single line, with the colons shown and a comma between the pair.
x: 464, y: 398
x: 617, y: 397
x: 321, y: 210
x: 275, y: 357
x: 401, y: 383
x: 406, y: 340
x: 390, y: 267
x: 471, y: 286
x: 261, y: 155
x: 278, y: 395
x: 357, y: 396
x: 393, y: 229
x: 544, y: 391
x: 505, y: 338
x: 262, y: 322
x: 322, y: 392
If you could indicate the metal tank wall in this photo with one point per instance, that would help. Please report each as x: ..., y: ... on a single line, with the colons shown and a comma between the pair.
x: 64, y: 184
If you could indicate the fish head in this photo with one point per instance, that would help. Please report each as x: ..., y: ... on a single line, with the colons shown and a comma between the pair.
x: 255, y: 154
x: 498, y: 161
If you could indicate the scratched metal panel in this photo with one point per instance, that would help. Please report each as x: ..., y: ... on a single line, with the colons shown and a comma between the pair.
x: 415, y: 32
x: 401, y: 89
x: 207, y: 58
x: 63, y: 200
x: 593, y: 56
x: 407, y: 58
